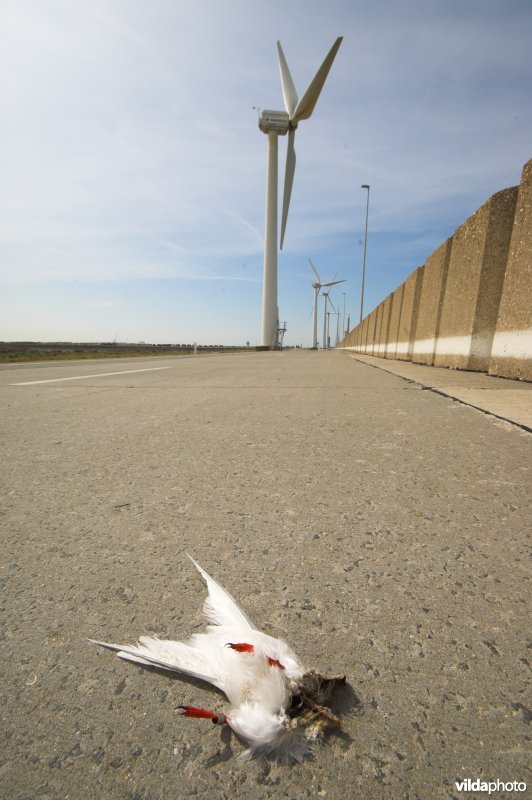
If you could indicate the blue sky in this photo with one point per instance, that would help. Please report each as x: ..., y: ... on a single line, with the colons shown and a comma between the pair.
x: 133, y: 171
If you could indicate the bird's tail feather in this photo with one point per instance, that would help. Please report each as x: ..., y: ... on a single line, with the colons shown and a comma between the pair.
x: 288, y: 747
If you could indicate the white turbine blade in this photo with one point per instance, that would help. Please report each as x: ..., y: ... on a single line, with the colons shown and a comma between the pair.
x: 288, y: 180
x: 305, y: 107
x: 331, y: 303
x: 333, y: 283
x: 315, y: 271
x: 289, y: 90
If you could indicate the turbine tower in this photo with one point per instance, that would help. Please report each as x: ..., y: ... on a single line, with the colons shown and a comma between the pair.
x: 275, y: 124
x: 317, y: 286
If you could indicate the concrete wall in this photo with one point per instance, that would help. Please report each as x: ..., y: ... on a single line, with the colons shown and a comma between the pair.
x: 395, y: 316
x: 357, y: 336
x: 385, y: 327
x: 372, y: 327
x: 378, y: 327
x: 512, y: 344
x: 364, y: 325
x: 474, y: 285
x: 431, y: 304
x: 404, y: 346
x: 372, y: 330
x: 469, y: 306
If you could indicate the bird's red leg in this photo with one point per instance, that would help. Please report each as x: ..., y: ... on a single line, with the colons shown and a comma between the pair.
x: 203, y: 713
x: 241, y: 647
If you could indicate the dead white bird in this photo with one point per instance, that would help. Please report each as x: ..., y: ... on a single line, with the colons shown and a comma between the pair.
x: 276, y: 707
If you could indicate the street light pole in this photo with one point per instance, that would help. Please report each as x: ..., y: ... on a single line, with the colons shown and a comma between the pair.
x: 364, y: 186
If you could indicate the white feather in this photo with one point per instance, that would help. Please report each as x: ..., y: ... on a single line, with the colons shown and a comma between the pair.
x: 219, y: 607
x: 258, y: 684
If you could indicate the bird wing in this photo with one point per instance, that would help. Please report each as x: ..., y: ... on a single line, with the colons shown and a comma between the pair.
x: 258, y: 677
x: 170, y: 655
x: 219, y: 607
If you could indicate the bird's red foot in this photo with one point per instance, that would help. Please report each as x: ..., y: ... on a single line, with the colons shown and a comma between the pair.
x: 241, y: 647
x: 203, y: 713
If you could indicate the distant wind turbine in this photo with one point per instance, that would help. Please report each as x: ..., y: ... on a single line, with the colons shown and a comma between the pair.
x: 317, y: 286
x: 326, y: 320
x: 275, y: 124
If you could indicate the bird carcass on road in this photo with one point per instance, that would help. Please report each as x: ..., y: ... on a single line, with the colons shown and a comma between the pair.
x: 276, y: 707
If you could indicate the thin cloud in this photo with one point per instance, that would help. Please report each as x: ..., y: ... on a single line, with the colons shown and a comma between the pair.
x: 130, y: 151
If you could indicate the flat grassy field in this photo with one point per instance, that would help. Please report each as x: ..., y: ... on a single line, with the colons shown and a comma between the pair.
x: 15, y: 352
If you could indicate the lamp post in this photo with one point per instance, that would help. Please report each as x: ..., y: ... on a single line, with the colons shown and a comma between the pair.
x: 364, y: 186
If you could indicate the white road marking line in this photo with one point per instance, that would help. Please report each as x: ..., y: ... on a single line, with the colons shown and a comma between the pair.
x: 84, y: 377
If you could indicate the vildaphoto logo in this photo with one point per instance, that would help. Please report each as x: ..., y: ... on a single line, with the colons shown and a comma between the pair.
x: 478, y: 785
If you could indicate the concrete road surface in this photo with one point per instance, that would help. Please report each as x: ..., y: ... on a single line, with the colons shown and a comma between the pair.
x: 507, y: 399
x: 379, y: 528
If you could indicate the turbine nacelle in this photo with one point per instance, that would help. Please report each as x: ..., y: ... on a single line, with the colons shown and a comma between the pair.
x: 277, y: 122
x: 319, y: 283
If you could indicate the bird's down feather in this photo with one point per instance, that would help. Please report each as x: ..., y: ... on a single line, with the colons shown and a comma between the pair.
x: 261, y: 676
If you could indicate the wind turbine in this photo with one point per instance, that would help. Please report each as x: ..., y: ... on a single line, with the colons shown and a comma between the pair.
x: 317, y: 286
x: 275, y: 124
x: 326, y: 320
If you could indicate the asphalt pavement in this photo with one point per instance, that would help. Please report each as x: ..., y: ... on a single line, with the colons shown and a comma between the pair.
x: 378, y: 527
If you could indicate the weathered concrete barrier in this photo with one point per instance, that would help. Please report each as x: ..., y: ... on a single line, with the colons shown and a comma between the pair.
x: 431, y: 304
x: 385, y: 325
x: 512, y: 344
x: 378, y: 329
x: 395, y: 317
x: 474, y: 285
x: 469, y: 306
x: 404, y: 344
x: 370, y: 333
